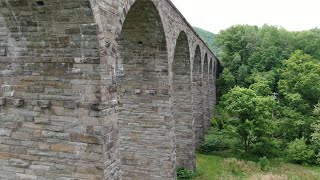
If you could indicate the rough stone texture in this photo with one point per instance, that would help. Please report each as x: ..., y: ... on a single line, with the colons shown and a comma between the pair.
x: 205, y: 93
x: 197, y: 96
x: 182, y: 104
x: 100, y: 89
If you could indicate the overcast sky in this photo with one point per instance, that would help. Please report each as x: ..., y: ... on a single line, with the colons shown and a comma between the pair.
x: 216, y: 15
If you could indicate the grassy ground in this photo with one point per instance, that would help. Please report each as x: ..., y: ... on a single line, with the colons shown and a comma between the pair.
x: 213, y: 167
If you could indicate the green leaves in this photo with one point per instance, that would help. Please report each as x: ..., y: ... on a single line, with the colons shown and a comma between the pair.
x: 300, y: 81
x: 299, y: 152
x: 270, y: 89
x: 253, y: 113
x: 246, y: 104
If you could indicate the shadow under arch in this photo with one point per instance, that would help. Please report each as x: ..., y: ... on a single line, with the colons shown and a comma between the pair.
x: 197, y: 97
x: 182, y: 104
x: 146, y: 137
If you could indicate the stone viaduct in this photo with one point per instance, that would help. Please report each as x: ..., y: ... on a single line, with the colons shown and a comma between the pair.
x: 101, y: 89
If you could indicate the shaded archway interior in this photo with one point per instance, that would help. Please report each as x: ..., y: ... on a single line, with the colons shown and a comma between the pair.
x: 182, y: 104
x: 144, y: 117
x: 197, y: 97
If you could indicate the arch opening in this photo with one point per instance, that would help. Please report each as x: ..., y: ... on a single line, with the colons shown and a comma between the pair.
x: 197, y: 97
x: 145, y: 123
x: 182, y: 104
x: 211, y: 64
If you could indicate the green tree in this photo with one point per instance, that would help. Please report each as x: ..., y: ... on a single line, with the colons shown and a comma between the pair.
x: 225, y: 82
x: 300, y: 82
x: 299, y: 152
x: 252, y: 113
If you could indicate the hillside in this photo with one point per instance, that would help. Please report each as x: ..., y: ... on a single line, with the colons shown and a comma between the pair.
x: 210, y: 40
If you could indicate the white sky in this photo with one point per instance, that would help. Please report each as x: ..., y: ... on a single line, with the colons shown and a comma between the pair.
x: 216, y: 15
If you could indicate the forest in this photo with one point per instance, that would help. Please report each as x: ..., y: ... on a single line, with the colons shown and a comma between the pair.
x: 268, y: 107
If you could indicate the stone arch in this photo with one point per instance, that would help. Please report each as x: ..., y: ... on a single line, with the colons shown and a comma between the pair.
x: 145, y: 129
x: 205, y: 91
x: 182, y: 104
x: 197, y: 97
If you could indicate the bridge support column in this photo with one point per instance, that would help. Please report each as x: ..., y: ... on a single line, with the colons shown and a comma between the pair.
x: 197, y: 97
x: 146, y: 127
x: 205, y: 91
x: 182, y: 105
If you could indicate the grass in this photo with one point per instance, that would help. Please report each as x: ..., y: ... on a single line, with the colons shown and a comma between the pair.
x: 215, y: 167
x: 208, y: 165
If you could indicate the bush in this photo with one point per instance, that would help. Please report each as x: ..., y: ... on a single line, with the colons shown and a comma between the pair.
x: 216, y: 140
x: 318, y: 158
x: 267, y: 147
x: 184, y: 173
x: 299, y: 152
x: 213, y: 145
x: 264, y: 164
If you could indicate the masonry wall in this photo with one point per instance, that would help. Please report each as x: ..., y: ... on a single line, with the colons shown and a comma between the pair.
x: 63, y: 114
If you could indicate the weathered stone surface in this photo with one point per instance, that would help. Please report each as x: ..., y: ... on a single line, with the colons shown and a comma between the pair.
x: 94, y: 89
x: 62, y: 148
x: 20, y: 176
x: 18, y: 163
x: 44, y: 104
x: 39, y: 120
x: 69, y: 104
x: 5, y: 132
x: 2, y: 101
x: 18, y: 102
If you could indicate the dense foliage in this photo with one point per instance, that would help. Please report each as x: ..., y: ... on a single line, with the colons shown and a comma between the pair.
x: 183, y: 173
x: 210, y: 39
x: 269, y: 93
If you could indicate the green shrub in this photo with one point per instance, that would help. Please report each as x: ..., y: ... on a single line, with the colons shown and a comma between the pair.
x: 267, y: 147
x: 184, y: 173
x: 264, y: 164
x: 299, y: 152
x: 318, y: 158
x: 213, y: 145
x: 216, y: 140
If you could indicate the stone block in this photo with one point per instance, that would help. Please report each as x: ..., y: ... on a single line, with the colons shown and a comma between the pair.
x: 42, y: 168
x: 96, y: 107
x: 150, y: 92
x: 29, y: 118
x: 18, y: 163
x: 3, y: 52
x: 89, y: 170
x: 25, y: 177
x: 5, y: 132
x: 72, y: 31
x: 44, y: 104
x: 69, y: 104
x: 2, y: 101
x: 137, y: 91
x: 41, y: 120
x: 43, y: 146
x: 4, y: 148
x: 88, y: 29
x: 18, y: 102
x: 62, y: 148
x: 84, y: 138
